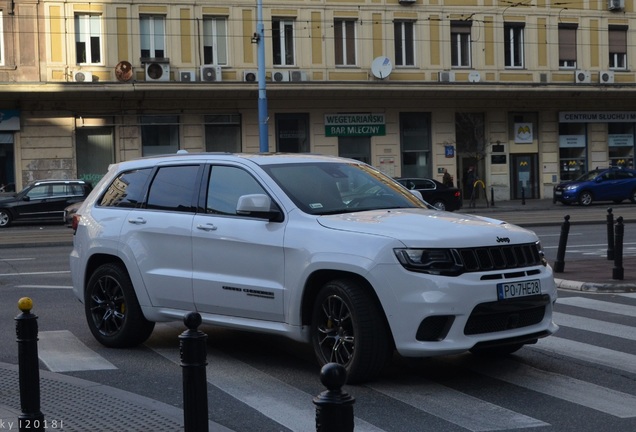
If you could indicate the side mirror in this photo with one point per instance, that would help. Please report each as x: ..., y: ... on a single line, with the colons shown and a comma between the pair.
x: 258, y: 205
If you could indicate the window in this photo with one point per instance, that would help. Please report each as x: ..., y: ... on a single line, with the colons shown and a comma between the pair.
x: 39, y: 192
x: 95, y: 150
x: 159, y: 135
x: 345, y: 42
x: 567, y: 46
x: 415, y: 142
x: 404, y: 50
x: 226, y: 186
x: 223, y: 133
x: 283, y: 42
x: 460, y: 44
x: 215, y: 40
x: 173, y: 188
x: 153, y: 36
x: 127, y: 190
x: 618, y: 47
x: 513, y: 45
x: 88, y: 41
x: 292, y: 131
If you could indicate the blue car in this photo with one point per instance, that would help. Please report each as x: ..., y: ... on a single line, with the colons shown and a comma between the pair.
x: 609, y: 184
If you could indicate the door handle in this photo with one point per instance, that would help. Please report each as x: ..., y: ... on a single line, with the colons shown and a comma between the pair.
x: 206, y: 227
x: 137, y: 221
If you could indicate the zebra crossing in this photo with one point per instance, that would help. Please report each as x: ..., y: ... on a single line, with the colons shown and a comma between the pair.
x: 411, y: 397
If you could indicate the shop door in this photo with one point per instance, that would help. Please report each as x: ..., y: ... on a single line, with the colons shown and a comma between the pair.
x: 524, y: 179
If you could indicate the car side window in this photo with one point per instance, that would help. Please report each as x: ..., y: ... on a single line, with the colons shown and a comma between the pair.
x: 226, y: 184
x: 127, y: 190
x: 173, y: 188
x: 39, y: 192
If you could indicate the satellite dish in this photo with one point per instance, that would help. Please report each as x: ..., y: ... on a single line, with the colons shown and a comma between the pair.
x: 123, y: 71
x: 381, y: 67
x: 474, y: 76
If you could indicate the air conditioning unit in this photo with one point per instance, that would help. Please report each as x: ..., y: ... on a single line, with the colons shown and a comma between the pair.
x: 582, y: 77
x: 211, y: 73
x: 250, y: 76
x: 606, y: 77
x: 81, y: 76
x: 157, y: 71
x: 280, y: 76
x: 446, y: 76
x: 615, y: 5
x: 298, y: 75
x: 187, y: 75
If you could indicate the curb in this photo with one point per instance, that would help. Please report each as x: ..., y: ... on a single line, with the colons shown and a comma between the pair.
x: 609, y: 287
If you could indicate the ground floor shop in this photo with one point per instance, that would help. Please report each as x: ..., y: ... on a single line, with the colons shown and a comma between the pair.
x: 503, y: 147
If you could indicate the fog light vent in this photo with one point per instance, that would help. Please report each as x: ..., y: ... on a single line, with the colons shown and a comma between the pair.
x: 434, y: 328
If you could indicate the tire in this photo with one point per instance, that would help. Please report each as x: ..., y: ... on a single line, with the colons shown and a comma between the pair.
x: 439, y: 205
x: 497, y: 351
x: 632, y: 197
x: 349, y: 328
x: 5, y: 218
x: 112, y: 310
x: 585, y: 198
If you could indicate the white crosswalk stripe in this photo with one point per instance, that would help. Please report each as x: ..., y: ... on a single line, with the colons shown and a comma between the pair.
x: 61, y: 351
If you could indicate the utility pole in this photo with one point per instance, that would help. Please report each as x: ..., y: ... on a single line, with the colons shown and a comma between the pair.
x: 263, y: 118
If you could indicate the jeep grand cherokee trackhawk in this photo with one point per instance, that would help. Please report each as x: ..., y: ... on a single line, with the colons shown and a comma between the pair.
x: 324, y: 250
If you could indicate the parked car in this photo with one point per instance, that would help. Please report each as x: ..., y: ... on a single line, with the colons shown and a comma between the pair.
x: 323, y: 250
x: 42, y: 200
x: 70, y: 211
x: 608, y: 184
x: 434, y: 192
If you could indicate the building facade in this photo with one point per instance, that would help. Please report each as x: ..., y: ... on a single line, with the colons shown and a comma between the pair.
x: 527, y: 93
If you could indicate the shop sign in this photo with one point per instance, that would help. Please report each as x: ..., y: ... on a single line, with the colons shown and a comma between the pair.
x: 597, y: 117
x: 9, y: 120
x: 355, y: 125
x: 523, y: 133
x: 620, y: 140
x: 571, y: 141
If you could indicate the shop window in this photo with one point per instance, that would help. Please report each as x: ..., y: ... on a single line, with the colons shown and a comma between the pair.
x: 513, y: 45
x: 358, y: 148
x: 88, y: 39
x: 152, y: 30
x: 223, y: 133
x: 345, y: 42
x: 95, y: 150
x: 620, y: 142
x: 617, y: 47
x: 572, y: 150
x: 283, y: 42
x: 460, y: 44
x: 404, y: 43
x: 415, y: 144
x: 159, y: 135
x: 292, y: 133
x: 215, y: 40
x: 567, y: 46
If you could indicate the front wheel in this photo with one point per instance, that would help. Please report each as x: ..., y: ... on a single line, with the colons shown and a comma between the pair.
x: 585, y: 198
x: 632, y: 198
x: 112, y: 310
x: 5, y: 218
x: 348, y: 327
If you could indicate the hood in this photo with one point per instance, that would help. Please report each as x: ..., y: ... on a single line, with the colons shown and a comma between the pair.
x: 435, y: 228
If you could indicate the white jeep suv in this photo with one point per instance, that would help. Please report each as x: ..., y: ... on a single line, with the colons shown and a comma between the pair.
x: 324, y: 250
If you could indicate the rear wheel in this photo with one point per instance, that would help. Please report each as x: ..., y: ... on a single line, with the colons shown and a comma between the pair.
x: 5, y: 218
x: 440, y: 205
x: 112, y: 310
x: 349, y: 328
x: 585, y: 198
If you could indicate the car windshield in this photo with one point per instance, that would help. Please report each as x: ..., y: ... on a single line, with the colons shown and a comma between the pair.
x: 331, y: 188
x: 588, y: 176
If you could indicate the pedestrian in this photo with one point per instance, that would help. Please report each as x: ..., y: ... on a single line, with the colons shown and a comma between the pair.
x: 447, y: 179
x: 469, y: 182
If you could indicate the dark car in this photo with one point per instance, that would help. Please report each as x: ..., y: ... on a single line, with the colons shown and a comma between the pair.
x: 434, y: 192
x: 608, y: 184
x: 42, y: 200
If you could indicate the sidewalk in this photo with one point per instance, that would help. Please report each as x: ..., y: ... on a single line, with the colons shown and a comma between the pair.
x: 73, y: 404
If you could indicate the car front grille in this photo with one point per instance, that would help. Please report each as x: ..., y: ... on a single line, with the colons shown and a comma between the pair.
x: 506, y: 315
x: 499, y: 257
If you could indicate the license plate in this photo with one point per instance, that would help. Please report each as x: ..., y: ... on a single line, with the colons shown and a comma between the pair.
x: 510, y: 290
x: 557, y: 193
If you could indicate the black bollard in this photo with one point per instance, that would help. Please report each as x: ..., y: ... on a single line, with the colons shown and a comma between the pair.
x: 334, y: 408
x: 559, y: 264
x: 192, y: 346
x: 26, y: 328
x: 619, y: 230
x: 523, y: 196
x: 610, y: 234
x: 492, y: 197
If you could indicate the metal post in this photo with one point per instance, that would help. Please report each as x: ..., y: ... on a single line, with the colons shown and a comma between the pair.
x: 334, y: 408
x: 263, y: 118
x: 492, y: 196
x: 523, y: 196
x: 192, y: 346
x: 559, y: 264
x: 610, y: 234
x: 26, y: 328
x: 618, y: 271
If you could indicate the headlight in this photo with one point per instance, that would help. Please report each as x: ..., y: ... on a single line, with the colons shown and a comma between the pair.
x: 571, y: 187
x: 544, y: 261
x: 431, y: 261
